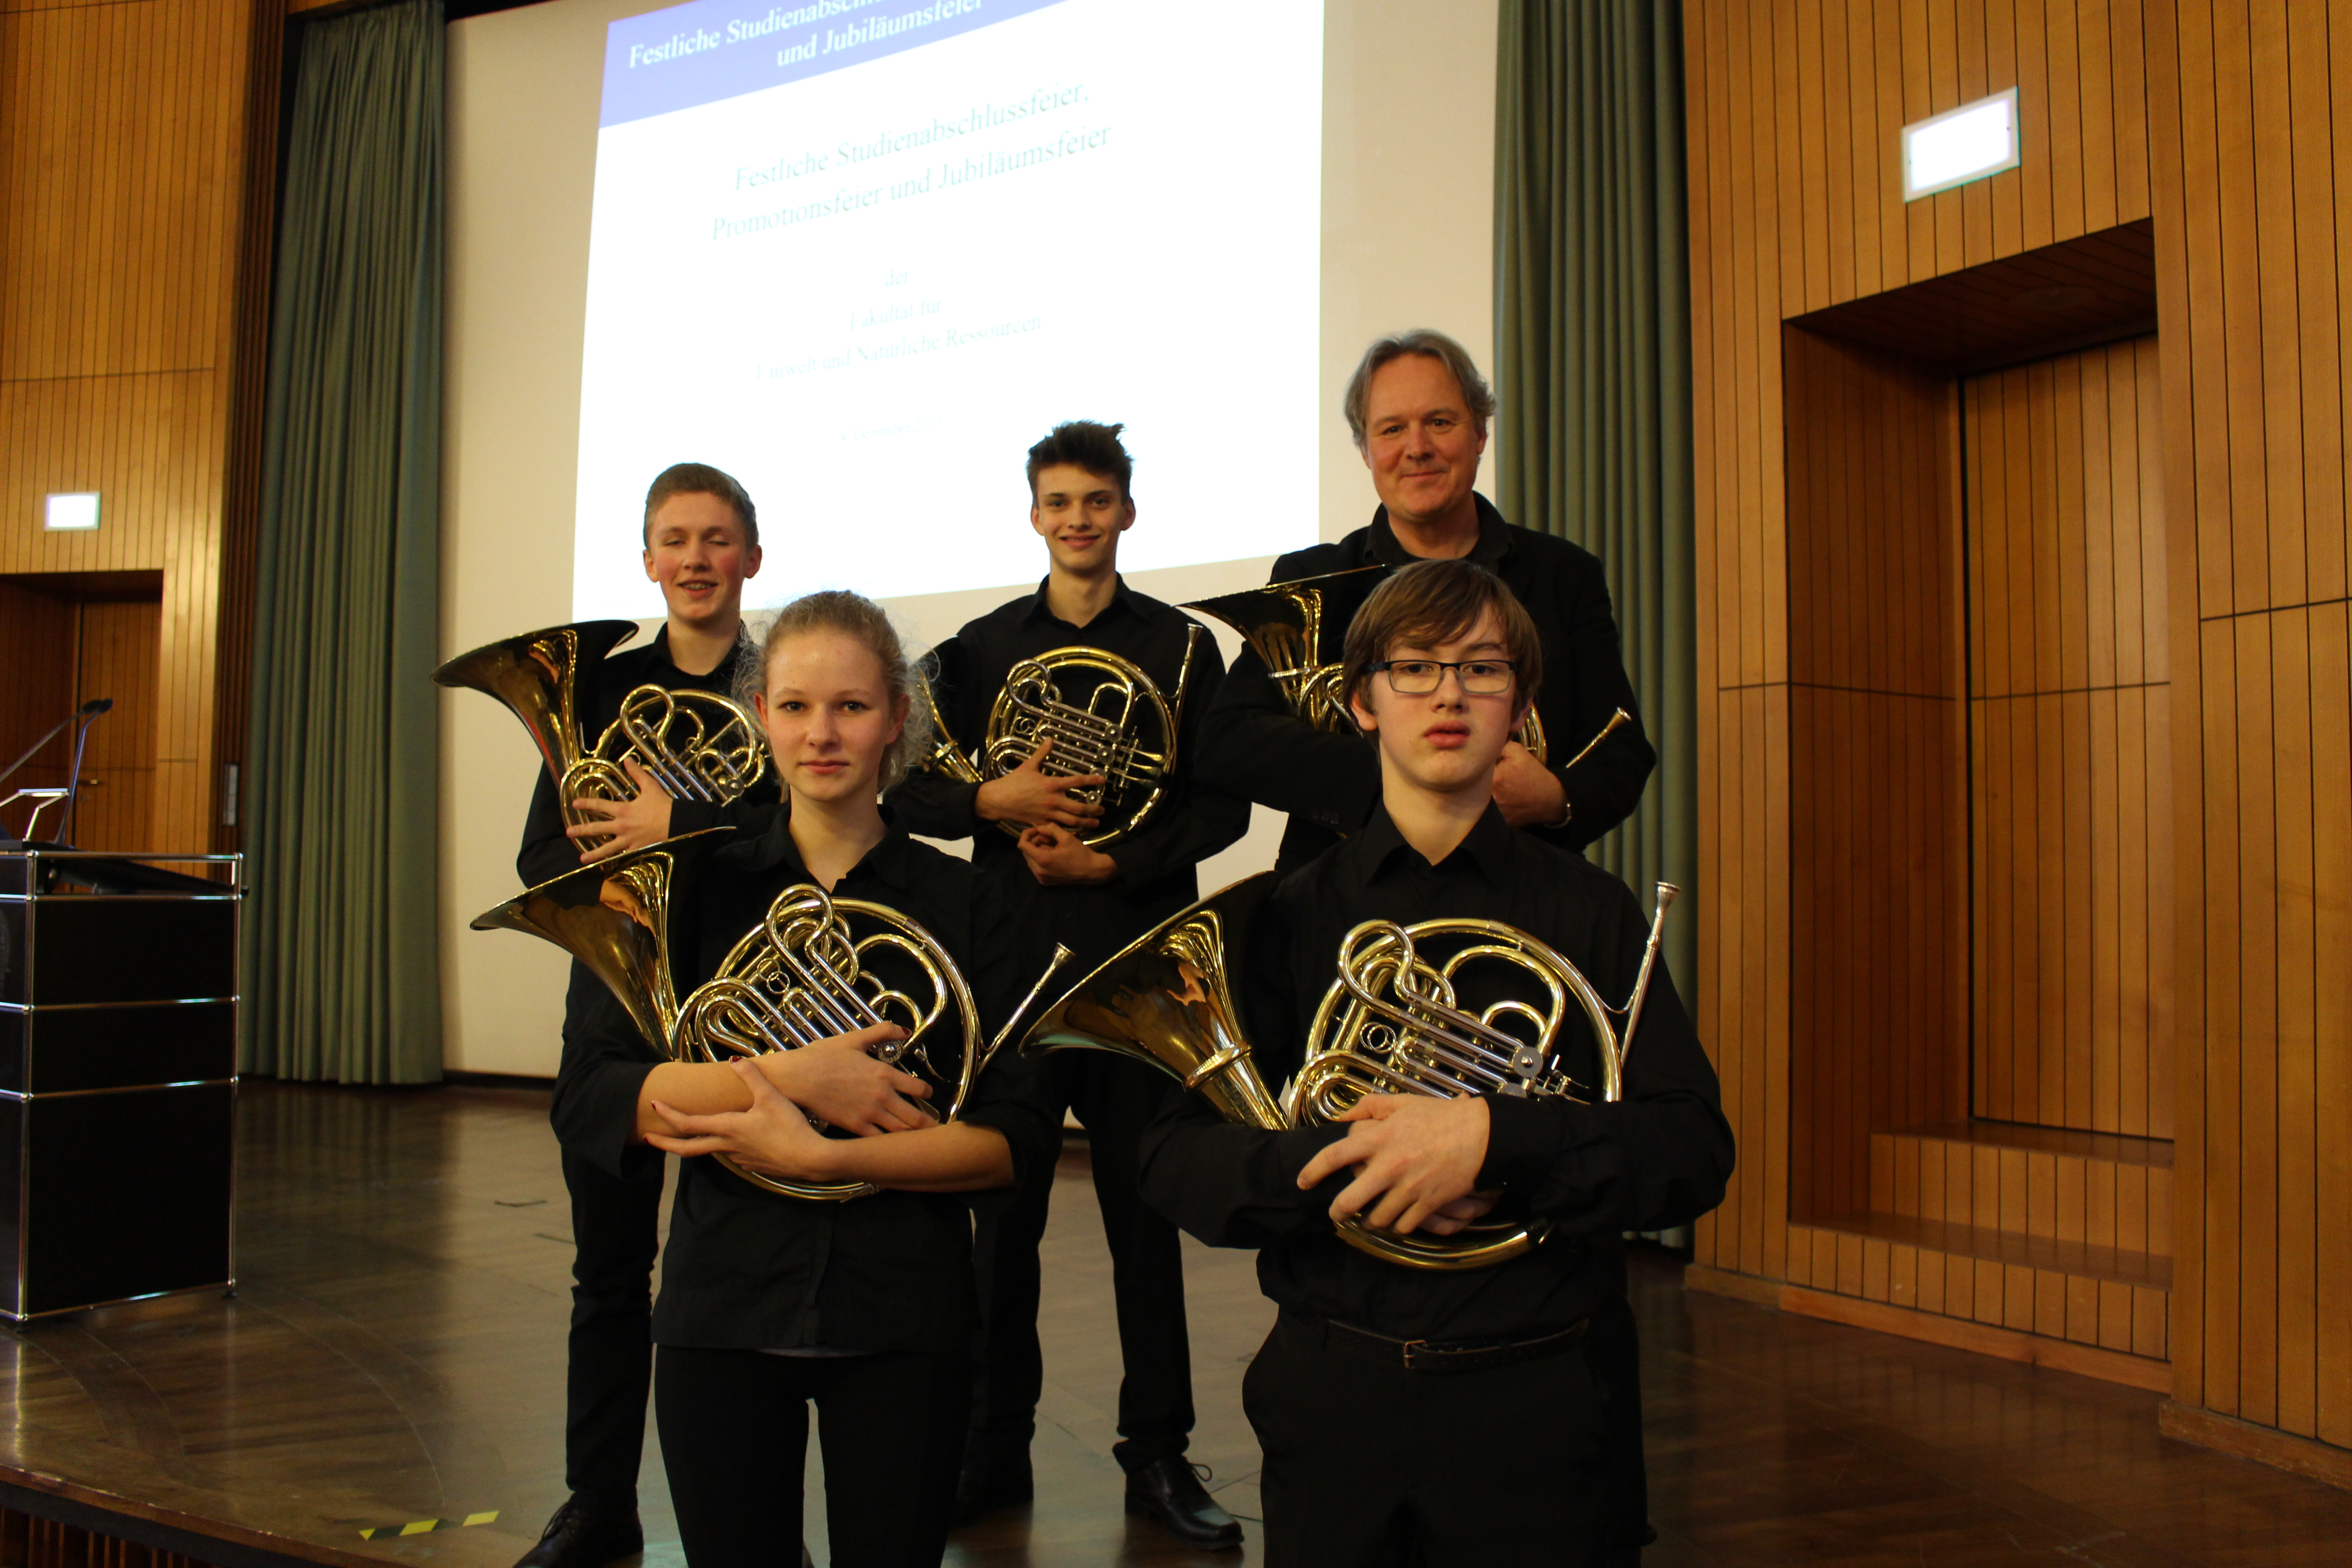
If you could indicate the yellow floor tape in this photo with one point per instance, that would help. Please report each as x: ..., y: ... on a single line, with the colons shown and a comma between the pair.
x: 426, y: 1526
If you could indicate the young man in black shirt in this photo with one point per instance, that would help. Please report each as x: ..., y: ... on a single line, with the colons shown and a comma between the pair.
x: 1098, y: 898
x: 702, y: 542
x: 1463, y: 1416
x: 1418, y: 410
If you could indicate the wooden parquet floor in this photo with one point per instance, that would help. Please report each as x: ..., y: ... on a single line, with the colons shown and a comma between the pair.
x: 396, y: 1353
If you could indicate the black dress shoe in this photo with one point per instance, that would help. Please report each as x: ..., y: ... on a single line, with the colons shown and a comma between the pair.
x: 991, y: 1482
x: 1170, y: 1490
x: 580, y: 1536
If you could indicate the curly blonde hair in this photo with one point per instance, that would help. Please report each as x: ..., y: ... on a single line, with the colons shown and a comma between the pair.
x: 855, y: 616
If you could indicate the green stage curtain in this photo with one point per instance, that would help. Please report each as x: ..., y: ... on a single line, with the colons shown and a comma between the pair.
x: 342, y: 981
x: 1592, y: 360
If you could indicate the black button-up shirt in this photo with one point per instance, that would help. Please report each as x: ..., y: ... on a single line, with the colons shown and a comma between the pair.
x: 746, y: 1268
x: 1659, y: 1157
x: 1156, y: 862
x: 1254, y: 747
x: 547, y: 853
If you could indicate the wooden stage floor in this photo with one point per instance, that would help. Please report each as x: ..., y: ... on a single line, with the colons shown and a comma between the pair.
x: 395, y: 1353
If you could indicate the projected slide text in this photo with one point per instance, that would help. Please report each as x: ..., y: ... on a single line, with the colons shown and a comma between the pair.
x: 862, y: 253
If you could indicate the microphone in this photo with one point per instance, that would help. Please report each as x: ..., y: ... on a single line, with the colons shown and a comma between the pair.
x: 81, y: 720
x: 84, y: 717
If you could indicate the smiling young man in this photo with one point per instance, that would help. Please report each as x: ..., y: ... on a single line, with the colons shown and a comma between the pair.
x: 1099, y: 899
x: 702, y: 542
x: 1464, y: 1416
x: 1418, y: 410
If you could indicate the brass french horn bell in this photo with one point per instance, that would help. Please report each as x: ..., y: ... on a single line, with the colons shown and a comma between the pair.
x: 537, y: 676
x: 613, y: 916
x: 1285, y: 624
x: 1391, y: 1023
x: 1166, y: 1000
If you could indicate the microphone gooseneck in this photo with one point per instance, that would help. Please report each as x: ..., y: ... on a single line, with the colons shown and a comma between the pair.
x: 86, y: 715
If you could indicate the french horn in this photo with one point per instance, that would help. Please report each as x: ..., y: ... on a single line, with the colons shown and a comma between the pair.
x: 1392, y: 1021
x: 613, y: 916
x: 1103, y: 713
x: 1285, y: 624
x: 1297, y: 628
x: 806, y: 973
x: 697, y: 745
x: 815, y: 966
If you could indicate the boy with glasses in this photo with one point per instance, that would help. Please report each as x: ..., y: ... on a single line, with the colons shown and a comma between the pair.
x: 1456, y: 1417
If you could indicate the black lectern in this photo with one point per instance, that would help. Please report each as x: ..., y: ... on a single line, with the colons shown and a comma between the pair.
x: 118, y: 1077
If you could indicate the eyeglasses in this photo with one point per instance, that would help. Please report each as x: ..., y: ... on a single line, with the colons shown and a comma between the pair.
x: 1421, y: 677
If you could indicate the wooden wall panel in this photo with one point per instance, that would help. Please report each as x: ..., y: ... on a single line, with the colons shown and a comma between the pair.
x: 122, y: 196
x: 1794, y: 110
x: 130, y: 322
x: 2251, y: 123
x: 1877, y: 877
x: 1741, y: 578
x: 2226, y: 121
x: 2070, y: 745
x: 1851, y: 73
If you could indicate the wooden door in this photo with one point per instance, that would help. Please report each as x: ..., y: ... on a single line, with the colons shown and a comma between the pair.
x: 37, y: 639
x: 116, y: 655
x: 66, y: 637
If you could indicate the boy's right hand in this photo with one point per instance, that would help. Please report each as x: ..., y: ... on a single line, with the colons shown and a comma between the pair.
x: 1031, y: 796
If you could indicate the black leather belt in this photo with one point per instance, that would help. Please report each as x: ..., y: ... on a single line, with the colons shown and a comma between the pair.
x: 1438, y: 1355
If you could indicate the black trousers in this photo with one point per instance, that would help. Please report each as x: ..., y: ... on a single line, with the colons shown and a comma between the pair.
x: 734, y: 1437
x: 1612, y: 1348
x: 1369, y: 1466
x: 615, y: 1224
x: 1116, y: 1100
